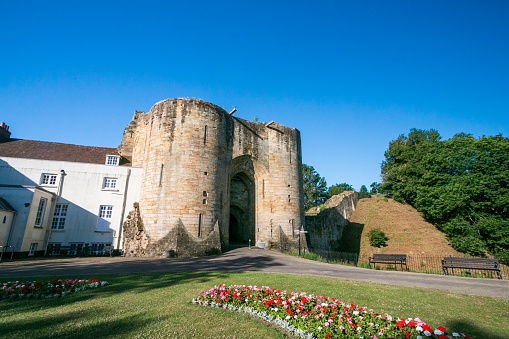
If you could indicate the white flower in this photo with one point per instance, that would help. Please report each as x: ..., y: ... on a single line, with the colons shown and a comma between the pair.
x: 438, y: 332
x: 287, y: 317
x: 427, y: 333
x: 455, y: 334
x: 418, y: 328
x: 319, y: 328
x: 419, y: 337
x: 355, y: 312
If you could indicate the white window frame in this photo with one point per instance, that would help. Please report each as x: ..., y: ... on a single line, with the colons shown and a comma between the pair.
x: 33, y: 249
x: 49, y: 179
x: 112, y: 160
x: 74, y: 247
x: 110, y: 184
x: 53, y: 247
x: 59, y: 217
x: 104, y: 218
x: 41, y: 210
x: 99, y: 247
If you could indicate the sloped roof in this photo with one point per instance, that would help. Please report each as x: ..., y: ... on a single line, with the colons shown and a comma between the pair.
x: 5, y: 206
x: 44, y: 150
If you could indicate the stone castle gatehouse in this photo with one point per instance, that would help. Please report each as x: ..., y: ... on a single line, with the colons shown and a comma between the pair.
x: 210, y: 179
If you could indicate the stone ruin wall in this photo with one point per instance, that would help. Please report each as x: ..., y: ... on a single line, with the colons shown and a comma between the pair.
x: 325, y: 224
x: 189, y: 151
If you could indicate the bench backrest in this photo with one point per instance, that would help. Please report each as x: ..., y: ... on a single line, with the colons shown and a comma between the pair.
x: 471, y: 261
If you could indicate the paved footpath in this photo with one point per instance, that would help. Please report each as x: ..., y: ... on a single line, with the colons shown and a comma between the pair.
x: 252, y: 260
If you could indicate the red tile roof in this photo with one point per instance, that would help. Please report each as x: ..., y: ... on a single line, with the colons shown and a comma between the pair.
x: 31, y: 149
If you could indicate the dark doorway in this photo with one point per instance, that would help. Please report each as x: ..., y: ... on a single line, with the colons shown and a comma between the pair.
x: 242, y: 210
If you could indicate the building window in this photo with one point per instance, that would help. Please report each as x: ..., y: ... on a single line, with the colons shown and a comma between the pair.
x: 112, y: 160
x: 105, y: 216
x: 53, y: 248
x: 98, y: 248
x: 49, y: 179
x: 33, y: 249
x: 110, y: 183
x: 59, y: 217
x: 5, y: 219
x: 40, y: 212
x: 75, y: 248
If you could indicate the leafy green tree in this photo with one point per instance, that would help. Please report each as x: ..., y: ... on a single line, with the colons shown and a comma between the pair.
x: 375, y: 188
x: 315, y: 187
x: 363, y: 193
x: 460, y: 184
x: 403, y: 168
x: 338, y: 188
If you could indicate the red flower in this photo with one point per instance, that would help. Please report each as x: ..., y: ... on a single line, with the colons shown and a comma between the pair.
x: 327, y: 335
x: 400, y: 324
x: 407, y: 335
x: 426, y: 328
x: 441, y: 328
x: 289, y: 311
x: 411, y: 324
x: 442, y: 337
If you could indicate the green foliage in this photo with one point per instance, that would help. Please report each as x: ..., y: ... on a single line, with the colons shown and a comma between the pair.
x: 460, y: 184
x: 338, y: 188
x: 375, y: 188
x: 363, y: 193
x: 315, y: 187
x: 255, y: 119
x: 377, y: 238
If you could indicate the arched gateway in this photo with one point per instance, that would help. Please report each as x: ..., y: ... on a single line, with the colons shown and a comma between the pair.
x: 209, y: 179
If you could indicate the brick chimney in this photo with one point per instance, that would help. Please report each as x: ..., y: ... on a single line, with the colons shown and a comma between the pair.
x: 5, y: 135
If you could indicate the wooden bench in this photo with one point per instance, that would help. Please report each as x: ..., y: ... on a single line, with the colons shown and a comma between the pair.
x: 471, y: 264
x: 394, y: 259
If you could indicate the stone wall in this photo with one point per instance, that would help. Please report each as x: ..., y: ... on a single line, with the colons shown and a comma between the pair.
x: 325, y: 224
x: 190, y: 151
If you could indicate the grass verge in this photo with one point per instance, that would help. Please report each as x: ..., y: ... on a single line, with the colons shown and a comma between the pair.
x: 158, y: 305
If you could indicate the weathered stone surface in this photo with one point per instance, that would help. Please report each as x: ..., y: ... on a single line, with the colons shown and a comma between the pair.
x: 325, y: 224
x: 201, y: 165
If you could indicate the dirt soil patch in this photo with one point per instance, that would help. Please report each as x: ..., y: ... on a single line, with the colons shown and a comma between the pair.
x: 407, y: 231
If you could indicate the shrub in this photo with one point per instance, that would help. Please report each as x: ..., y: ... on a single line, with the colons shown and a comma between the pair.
x: 377, y: 238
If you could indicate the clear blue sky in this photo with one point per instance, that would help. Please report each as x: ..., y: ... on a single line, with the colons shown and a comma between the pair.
x: 350, y: 75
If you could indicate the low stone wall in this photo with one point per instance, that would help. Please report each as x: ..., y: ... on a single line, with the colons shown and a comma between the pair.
x: 325, y: 224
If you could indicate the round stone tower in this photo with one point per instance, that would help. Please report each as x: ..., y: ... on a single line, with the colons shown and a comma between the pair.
x: 204, y: 170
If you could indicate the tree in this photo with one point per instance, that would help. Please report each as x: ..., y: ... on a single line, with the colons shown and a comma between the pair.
x: 363, y: 193
x: 338, y: 188
x: 375, y: 188
x: 315, y: 187
x: 460, y: 184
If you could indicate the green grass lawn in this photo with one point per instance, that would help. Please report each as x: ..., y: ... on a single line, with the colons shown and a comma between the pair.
x: 158, y: 305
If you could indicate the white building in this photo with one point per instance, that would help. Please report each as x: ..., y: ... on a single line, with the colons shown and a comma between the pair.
x: 62, y: 195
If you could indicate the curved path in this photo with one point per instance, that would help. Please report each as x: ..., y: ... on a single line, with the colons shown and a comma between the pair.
x: 253, y: 260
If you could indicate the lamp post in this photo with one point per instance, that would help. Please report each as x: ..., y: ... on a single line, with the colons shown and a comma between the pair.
x: 299, y: 232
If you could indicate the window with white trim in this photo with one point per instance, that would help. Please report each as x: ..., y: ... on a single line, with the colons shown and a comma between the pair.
x: 40, y: 212
x: 49, y: 179
x: 59, y: 217
x: 109, y: 183
x: 112, y: 160
x: 98, y: 247
x: 33, y: 249
x: 105, y: 216
x: 75, y: 248
x: 53, y: 248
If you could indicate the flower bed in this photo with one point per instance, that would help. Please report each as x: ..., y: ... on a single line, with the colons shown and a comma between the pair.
x: 51, y: 289
x: 311, y: 316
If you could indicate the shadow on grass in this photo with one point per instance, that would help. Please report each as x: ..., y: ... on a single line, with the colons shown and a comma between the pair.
x: 64, y: 325
x: 56, y: 326
x: 472, y: 331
